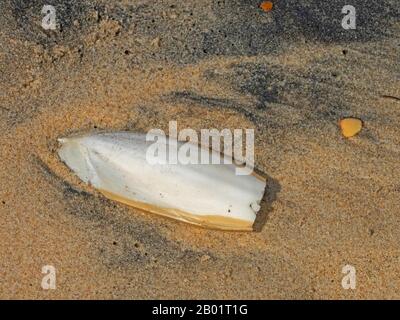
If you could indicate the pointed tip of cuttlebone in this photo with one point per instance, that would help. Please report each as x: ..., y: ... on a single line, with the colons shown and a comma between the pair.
x: 62, y: 140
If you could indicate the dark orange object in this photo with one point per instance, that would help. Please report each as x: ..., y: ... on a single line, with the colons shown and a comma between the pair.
x: 266, y: 6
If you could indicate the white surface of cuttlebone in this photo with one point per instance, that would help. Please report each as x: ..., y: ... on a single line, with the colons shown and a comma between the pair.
x: 210, y: 195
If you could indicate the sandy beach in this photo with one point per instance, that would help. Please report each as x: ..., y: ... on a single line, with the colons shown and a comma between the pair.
x: 290, y: 74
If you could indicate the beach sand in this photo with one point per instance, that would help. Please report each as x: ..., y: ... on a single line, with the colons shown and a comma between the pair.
x: 290, y: 74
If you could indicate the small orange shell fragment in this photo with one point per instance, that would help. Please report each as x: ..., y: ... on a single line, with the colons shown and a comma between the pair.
x: 350, y: 126
x: 266, y: 6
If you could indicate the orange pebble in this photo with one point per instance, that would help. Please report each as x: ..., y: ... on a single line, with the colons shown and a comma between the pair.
x: 266, y: 6
x: 350, y: 126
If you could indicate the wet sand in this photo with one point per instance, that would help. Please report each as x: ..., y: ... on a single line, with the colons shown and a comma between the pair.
x: 291, y: 74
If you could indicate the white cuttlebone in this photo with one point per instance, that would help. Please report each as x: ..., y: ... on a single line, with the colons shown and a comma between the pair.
x: 210, y: 195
